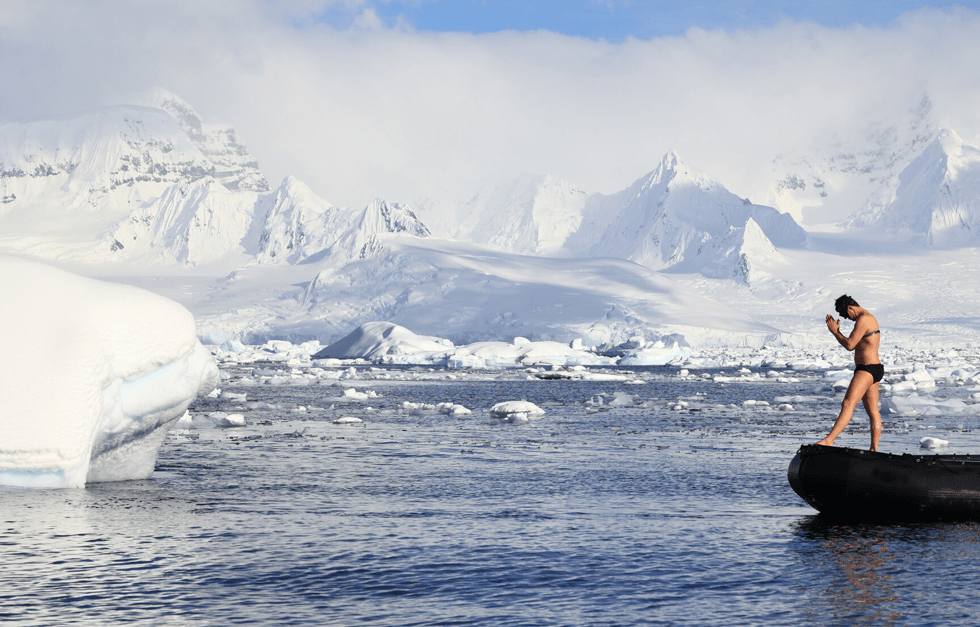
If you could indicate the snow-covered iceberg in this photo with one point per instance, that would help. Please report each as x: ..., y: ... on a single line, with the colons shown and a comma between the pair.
x: 94, y: 375
x: 378, y: 339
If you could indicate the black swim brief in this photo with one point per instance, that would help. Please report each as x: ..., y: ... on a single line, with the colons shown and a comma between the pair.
x: 877, y: 370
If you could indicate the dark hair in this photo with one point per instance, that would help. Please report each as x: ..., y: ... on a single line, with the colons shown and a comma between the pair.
x: 842, y: 303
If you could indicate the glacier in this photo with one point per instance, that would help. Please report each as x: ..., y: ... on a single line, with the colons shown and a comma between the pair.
x: 126, y: 364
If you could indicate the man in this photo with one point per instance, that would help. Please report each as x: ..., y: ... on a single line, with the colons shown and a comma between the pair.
x: 868, y: 371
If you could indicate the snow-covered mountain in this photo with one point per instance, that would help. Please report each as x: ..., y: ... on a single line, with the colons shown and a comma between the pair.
x: 154, y: 195
x: 934, y: 201
x: 531, y: 215
x: 671, y: 219
x: 156, y: 185
x: 234, y: 167
x: 827, y: 181
x: 677, y: 219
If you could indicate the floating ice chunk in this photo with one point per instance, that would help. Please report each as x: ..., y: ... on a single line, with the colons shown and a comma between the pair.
x: 448, y: 408
x: 352, y: 394
x: 277, y: 346
x: 902, y: 387
x: 227, y: 421
x: 127, y: 364
x: 185, y: 421
x: 785, y: 407
x: 916, y: 405
x: 347, y: 420
x: 233, y: 346
x: 233, y: 396
x: 621, y: 400
x: 919, y: 373
x: 933, y: 443
x: 655, y: 356
x: 799, y: 399
x: 502, y: 410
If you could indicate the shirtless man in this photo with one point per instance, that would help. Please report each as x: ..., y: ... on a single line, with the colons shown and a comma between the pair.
x: 864, y: 340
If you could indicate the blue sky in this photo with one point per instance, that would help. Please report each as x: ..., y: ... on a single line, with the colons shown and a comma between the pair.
x: 614, y: 20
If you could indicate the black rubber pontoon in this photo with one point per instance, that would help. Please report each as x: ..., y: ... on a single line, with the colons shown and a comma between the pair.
x: 855, y: 484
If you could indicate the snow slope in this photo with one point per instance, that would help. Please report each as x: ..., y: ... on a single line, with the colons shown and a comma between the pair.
x: 934, y: 201
x: 532, y: 215
x: 461, y: 292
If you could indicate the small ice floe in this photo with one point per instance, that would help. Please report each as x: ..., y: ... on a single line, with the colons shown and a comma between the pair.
x: 416, y: 407
x: 185, y: 421
x: 916, y: 405
x: 214, y: 393
x: 347, y: 420
x: 785, y: 407
x: 227, y: 421
x: 621, y: 399
x: 233, y: 396
x: 453, y: 409
x: 516, y: 412
x: 233, y: 346
x: 797, y: 398
x: 351, y: 394
x: 933, y: 443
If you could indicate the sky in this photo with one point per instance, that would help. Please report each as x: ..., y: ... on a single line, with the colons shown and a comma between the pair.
x: 426, y: 101
x: 610, y: 20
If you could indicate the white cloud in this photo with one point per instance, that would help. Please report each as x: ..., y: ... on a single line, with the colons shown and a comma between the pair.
x: 394, y: 113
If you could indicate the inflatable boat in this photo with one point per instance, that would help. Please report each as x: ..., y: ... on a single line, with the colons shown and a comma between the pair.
x: 853, y: 484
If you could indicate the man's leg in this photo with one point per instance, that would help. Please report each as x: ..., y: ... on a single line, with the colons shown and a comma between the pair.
x: 859, y: 386
x: 871, y: 406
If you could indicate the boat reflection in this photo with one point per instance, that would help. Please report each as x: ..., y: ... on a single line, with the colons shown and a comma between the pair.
x: 854, y: 568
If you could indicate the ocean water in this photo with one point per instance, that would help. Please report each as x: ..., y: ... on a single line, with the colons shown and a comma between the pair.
x: 650, y: 513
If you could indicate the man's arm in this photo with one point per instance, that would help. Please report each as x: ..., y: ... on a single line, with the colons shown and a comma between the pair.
x: 857, y: 333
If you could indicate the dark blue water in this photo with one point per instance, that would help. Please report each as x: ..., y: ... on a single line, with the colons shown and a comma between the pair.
x: 592, y: 515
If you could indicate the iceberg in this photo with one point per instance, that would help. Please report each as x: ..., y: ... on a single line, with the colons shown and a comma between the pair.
x: 377, y: 339
x: 126, y: 364
x: 656, y: 355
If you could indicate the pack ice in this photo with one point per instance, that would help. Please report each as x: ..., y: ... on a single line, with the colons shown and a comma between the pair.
x: 93, y: 376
